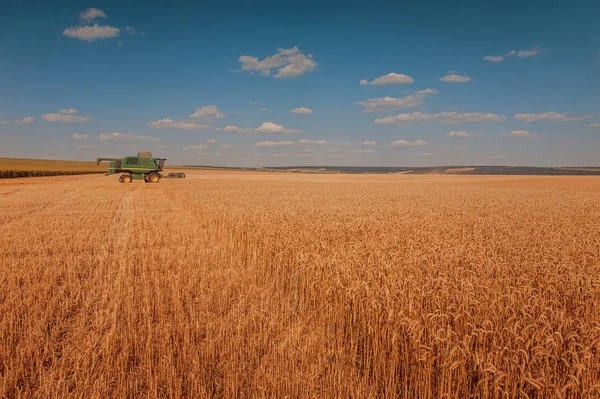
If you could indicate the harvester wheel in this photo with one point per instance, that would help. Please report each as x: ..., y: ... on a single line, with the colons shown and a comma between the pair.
x: 121, y: 179
x: 126, y: 178
x: 153, y: 177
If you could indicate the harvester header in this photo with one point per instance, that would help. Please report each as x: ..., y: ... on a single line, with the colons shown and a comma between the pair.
x: 141, y: 167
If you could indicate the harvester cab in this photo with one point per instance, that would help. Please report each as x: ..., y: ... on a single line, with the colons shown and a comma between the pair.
x: 141, y: 167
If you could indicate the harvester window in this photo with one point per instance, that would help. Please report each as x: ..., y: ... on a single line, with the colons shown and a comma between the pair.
x: 132, y: 161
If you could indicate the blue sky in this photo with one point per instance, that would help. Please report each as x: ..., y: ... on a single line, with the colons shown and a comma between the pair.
x: 312, y: 83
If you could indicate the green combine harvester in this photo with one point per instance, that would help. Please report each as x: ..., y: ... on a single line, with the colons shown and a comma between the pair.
x: 140, y: 167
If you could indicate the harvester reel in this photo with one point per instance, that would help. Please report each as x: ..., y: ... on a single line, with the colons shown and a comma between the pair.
x: 179, y: 175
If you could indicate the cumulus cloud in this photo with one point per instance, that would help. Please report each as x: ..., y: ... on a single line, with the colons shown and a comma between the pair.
x: 493, y: 58
x: 369, y: 142
x: 445, y: 117
x: 410, y: 101
x: 78, y: 136
x: 273, y: 128
x: 265, y: 127
x: 23, y: 121
x: 389, y: 79
x: 227, y: 146
x: 212, y: 141
x: 68, y: 115
x: 526, y: 53
x: 126, y: 137
x: 461, y: 133
x: 208, y: 113
x: 594, y: 125
x: 193, y: 147
x: 91, y: 13
x: 286, y: 143
x: 515, y: 53
x: 455, y: 78
x: 288, y: 63
x: 551, y: 116
x: 522, y: 134
x: 91, y: 32
x: 235, y: 129
x: 301, y: 110
x: 167, y: 123
x: 408, y: 143
x: 363, y: 151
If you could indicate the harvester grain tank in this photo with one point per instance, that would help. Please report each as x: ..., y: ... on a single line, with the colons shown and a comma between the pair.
x: 141, y: 167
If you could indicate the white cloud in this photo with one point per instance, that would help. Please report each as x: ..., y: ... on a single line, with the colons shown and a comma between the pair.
x: 227, y: 146
x: 594, y: 125
x: 281, y: 155
x: 289, y: 63
x: 526, y: 53
x: 193, y: 147
x: 218, y: 154
x: 369, y: 142
x: 389, y: 79
x: 126, y: 137
x: 91, y: 33
x: 462, y: 133
x: 445, y: 117
x: 129, y: 30
x: 68, y: 115
x: 167, y: 123
x: 494, y: 58
x: 407, y: 143
x: 409, y: 101
x: 301, y: 110
x: 455, y: 78
x: 23, y: 121
x: 207, y: 113
x: 254, y: 103
x: 91, y: 13
x: 304, y: 141
x: 551, y: 116
x: 274, y: 143
x: 284, y: 143
x: 264, y: 109
x: 271, y: 128
x: 427, y: 154
x: 363, y: 151
x: 212, y: 141
x: 522, y: 134
x: 86, y: 146
x: 78, y: 136
x: 235, y: 129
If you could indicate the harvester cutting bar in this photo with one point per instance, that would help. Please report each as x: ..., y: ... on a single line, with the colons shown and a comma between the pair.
x: 179, y: 175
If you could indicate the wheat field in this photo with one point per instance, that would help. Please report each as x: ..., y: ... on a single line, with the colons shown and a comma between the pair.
x: 251, y: 285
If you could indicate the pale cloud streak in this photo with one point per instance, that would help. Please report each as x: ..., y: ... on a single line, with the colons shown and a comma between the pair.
x: 408, y: 143
x: 78, y: 136
x: 286, y: 63
x: 448, y: 118
x: 193, y: 147
x: 522, y: 134
x: 515, y: 53
x: 126, y: 137
x: 301, y: 110
x: 462, y: 133
x: 91, y: 32
x: 289, y: 143
x: 551, y: 116
x: 410, y: 101
x: 388, y: 80
x: 68, y: 115
x: 273, y: 128
x: 23, y: 121
x: 207, y: 113
x: 91, y: 13
x: 369, y: 142
x: 167, y: 123
x: 455, y: 78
